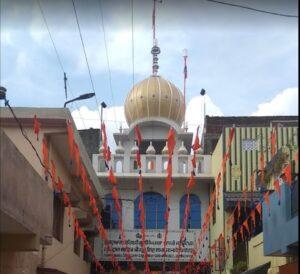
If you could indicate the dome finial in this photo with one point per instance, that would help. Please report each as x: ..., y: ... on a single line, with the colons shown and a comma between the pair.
x: 155, y: 49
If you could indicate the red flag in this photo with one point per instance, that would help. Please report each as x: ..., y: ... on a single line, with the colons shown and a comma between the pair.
x: 239, y: 209
x: 287, y: 177
x: 191, y: 182
x: 36, y: 127
x: 277, y: 189
x: 140, y: 184
x: 252, y: 215
x: 196, y: 144
x: 53, y: 173
x: 45, y: 156
x: 245, y: 195
x: 138, y: 159
x: 108, y: 154
x: 194, y: 161
x: 70, y: 138
x: 252, y: 182
x: 245, y: 224
x: 273, y: 141
x: 258, y: 208
x: 230, y: 138
x: 138, y: 135
x: 242, y: 232
x: 267, y: 200
x: 262, y: 167
x: 111, y: 177
x: 171, y: 141
x: 60, y: 184
x: 77, y: 158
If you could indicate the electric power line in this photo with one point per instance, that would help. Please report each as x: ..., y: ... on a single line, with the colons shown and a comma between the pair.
x: 85, y: 55
x: 57, y: 54
x: 107, y: 57
x: 254, y: 9
x: 132, y: 43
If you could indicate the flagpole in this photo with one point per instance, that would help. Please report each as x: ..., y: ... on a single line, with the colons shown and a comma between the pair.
x: 185, y: 55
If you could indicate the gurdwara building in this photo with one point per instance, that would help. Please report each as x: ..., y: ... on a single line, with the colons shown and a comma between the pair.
x: 154, y: 105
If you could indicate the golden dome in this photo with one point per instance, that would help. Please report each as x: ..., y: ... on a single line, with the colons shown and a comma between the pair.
x: 153, y: 98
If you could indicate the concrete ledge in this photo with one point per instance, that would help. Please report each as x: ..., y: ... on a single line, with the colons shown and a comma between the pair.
x: 26, y: 201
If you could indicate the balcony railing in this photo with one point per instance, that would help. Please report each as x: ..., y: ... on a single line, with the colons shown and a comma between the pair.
x: 153, y: 164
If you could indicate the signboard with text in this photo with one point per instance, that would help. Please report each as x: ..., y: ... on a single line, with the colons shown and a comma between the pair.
x: 154, y: 244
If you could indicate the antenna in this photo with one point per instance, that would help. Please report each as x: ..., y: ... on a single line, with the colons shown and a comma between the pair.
x: 155, y: 49
x: 65, y: 85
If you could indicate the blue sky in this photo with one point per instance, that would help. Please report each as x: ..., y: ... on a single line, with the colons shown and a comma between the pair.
x: 242, y: 58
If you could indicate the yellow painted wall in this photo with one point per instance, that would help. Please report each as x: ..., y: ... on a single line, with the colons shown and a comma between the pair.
x: 257, y: 258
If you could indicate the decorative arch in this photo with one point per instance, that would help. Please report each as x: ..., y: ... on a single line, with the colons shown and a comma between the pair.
x: 110, y: 218
x: 194, y: 218
x: 155, y: 208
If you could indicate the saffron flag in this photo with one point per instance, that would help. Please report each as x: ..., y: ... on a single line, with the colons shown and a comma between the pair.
x: 36, y: 127
x: 230, y: 138
x: 191, y: 182
x: 252, y: 215
x: 277, y: 189
x: 273, y: 141
x: 70, y: 139
x: 196, y: 144
x: 53, y: 173
x: 171, y: 141
x: 287, y: 174
x: 258, y: 208
x: 239, y: 209
x: 45, y: 156
x: 138, y: 135
x: 262, y: 167
x: 60, y: 184
x: 267, y: 200
x: 111, y: 177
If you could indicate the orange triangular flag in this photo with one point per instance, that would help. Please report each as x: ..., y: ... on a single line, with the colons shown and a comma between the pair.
x: 196, y: 144
x: 36, y: 127
x: 138, y: 135
x: 252, y: 215
x: 191, y: 182
x: 171, y: 141
x: 287, y: 177
x: 277, y: 189
x: 273, y: 141
x: 111, y: 177
x: 231, y: 134
x: 45, y: 152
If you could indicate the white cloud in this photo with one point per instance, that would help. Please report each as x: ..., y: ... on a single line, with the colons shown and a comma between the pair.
x: 194, y: 112
x: 284, y: 103
x: 22, y: 61
x: 114, y: 117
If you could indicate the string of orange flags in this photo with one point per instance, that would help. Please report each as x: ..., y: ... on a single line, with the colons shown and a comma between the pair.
x: 190, y: 184
x: 115, y: 195
x: 168, y: 185
x: 57, y: 186
x: 80, y: 171
x: 245, y: 230
x: 214, y: 198
x: 141, y: 201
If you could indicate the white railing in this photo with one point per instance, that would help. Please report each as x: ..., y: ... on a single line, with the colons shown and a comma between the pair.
x: 153, y: 164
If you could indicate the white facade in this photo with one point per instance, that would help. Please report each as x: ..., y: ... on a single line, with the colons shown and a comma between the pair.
x: 154, y: 181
